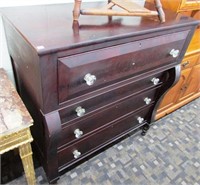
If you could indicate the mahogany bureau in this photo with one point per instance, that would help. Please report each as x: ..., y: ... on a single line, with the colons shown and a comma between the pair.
x: 87, y: 84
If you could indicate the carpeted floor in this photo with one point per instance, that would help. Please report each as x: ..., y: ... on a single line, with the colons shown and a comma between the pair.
x: 168, y: 155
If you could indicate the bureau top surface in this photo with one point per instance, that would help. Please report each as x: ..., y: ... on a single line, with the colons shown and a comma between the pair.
x: 50, y: 28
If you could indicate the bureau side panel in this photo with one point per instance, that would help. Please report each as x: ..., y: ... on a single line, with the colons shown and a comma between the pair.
x: 25, y: 62
x: 25, y: 65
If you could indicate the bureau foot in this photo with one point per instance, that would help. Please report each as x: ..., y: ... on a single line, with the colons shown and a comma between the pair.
x: 145, y: 128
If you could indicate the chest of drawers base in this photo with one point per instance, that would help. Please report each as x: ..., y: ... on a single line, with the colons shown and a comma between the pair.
x: 71, y: 141
x: 86, y: 89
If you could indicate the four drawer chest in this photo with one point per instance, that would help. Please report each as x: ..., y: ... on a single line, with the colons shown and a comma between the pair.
x: 87, y: 84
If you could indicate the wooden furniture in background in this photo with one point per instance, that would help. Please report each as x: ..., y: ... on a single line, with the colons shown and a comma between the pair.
x: 188, y: 87
x: 85, y: 89
x: 129, y: 7
x: 14, y: 126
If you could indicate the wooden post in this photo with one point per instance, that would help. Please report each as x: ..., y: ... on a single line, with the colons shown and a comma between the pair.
x: 161, y: 13
x: 77, y: 9
x: 131, y: 9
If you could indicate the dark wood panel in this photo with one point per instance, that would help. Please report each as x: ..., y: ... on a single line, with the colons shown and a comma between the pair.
x: 115, y: 63
x: 108, y: 98
x: 107, y: 116
x: 92, y: 142
x: 52, y: 54
x: 25, y: 61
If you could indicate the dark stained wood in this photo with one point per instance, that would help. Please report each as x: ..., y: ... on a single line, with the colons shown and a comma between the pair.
x: 44, y: 19
x: 110, y: 114
x: 112, y: 132
x: 51, y: 55
x: 61, y: 42
x: 120, y: 62
x: 95, y: 103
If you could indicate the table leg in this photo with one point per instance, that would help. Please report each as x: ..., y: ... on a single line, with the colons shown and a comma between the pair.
x: 25, y: 152
x: 161, y: 13
x: 77, y: 9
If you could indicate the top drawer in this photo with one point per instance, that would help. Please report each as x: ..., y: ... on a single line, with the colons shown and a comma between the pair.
x: 85, y: 72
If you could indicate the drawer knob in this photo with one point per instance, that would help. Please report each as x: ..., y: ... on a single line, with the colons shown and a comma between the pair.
x: 147, y: 100
x: 78, y: 133
x: 90, y: 79
x: 140, y: 120
x: 155, y: 81
x: 77, y: 154
x: 80, y: 111
x: 174, y: 53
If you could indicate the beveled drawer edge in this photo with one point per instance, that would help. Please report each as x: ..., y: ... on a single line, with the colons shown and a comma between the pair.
x: 112, y: 104
x: 184, y: 35
x: 107, y: 124
x: 115, y: 86
x: 97, y: 148
x: 68, y: 89
x: 113, y: 122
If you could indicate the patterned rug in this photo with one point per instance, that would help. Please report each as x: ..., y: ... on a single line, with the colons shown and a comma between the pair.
x: 169, y: 154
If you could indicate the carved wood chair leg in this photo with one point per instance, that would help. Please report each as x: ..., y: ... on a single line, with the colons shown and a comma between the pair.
x: 77, y: 9
x: 159, y: 8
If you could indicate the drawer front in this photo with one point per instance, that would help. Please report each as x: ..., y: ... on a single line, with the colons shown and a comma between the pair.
x: 102, y: 137
x: 189, y: 61
x: 106, y: 116
x: 108, y: 98
x: 89, y: 71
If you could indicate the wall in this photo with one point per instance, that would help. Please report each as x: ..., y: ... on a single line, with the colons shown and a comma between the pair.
x: 4, y: 57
